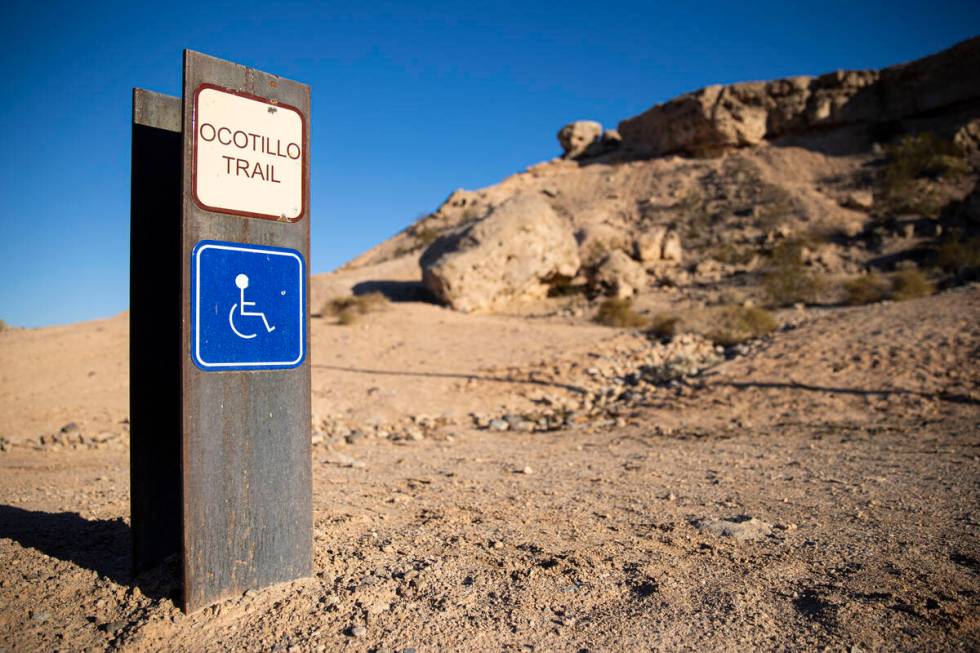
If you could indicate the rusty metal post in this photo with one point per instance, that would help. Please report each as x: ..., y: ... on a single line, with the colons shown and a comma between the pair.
x: 246, y: 477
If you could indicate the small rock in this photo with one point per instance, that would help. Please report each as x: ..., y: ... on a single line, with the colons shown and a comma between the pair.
x: 739, y: 528
x: 342, y: 460
x: 356, y: 631
x: 498, y: 425
x: 527, y: 470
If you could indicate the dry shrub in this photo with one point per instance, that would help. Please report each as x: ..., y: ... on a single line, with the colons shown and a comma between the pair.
x: 664, y: 325
x: 619, y: 313
x: 910, y: 284
x: 788, y: 281
x: 425, y: 235
x: 922, y: 155
x: 732, y: 254
x: 736, y: 324
x: 347, y: 309
x: 959, y: 256
x: 4, y: 326
x: 867, y: 289
x: 902, y: 285
x: 595, y: 253
x: 913, y: 161
x: 776, y: 206
x: 706, y: 150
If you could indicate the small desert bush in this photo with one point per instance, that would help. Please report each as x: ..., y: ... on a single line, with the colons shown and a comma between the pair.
x: 706, y: 150
x: 923, y: 155
x: 910, y: 284
x: 594, y: 254
x: 347, y: 309
x: 425, y: 235
x: 959, y: 256
x: 904, y: 284
x: 776, y: 207
x: 4, y: 326
x: 619, y: 313
x: 736, y: 324
x: 867, y: 289
x: 788, y: 281
x: 732, y: 254
x: 912, y: 162
x: 664, y: 325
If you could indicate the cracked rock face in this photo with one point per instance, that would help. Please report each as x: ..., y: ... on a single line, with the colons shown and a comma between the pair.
x: 507, y: 255
x: 749, y: 113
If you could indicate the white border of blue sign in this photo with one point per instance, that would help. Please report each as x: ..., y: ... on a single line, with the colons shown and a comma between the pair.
x: 196, y: 309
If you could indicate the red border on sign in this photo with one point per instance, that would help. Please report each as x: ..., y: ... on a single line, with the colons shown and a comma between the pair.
x: 248, y: 214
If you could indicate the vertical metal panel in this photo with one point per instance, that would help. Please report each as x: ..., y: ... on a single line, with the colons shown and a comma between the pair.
x: 154, y: 328
x: 246, y: 466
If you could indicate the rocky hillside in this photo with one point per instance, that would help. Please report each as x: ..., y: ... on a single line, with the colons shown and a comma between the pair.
x: 801, y: 190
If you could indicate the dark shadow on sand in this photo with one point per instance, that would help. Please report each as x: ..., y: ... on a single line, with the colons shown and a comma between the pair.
x: 454, y: 375
x: 101, y: 545
x: 396, y: 291
x: 942, y: 396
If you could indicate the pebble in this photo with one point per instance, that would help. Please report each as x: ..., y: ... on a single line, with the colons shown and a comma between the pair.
x: 738, y: 528
x: 41, y: 616
x: 356, y: 631
x: 527, y: 470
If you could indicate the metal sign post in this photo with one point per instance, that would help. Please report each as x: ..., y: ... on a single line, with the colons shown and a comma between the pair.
x: 245, y: 479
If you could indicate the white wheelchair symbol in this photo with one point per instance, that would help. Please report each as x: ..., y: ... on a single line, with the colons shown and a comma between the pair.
x: 242, y: 282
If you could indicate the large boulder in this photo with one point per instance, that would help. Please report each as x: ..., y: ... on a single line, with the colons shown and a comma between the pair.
x: 509, y: 254
x: 577, y: 137
x: 748, y: 113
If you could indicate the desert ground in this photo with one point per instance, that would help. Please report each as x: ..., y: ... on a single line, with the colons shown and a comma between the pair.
x: 707, y: 382
x: 820, y: 491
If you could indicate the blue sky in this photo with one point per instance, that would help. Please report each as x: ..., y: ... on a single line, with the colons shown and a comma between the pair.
x: 409, y: 103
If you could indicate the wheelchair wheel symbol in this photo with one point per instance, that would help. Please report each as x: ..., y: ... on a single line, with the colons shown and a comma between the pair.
x: 241, y: 281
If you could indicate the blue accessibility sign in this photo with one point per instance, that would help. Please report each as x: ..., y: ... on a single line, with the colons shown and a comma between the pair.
x: 248, y: 307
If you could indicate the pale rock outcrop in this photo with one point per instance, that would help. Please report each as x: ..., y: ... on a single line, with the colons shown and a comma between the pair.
x: 967, y: 139
x: 509, y: 254
x: 577, y: 137
x: 858, y: 200
x: 648, y: 246
x: 672, y: 250
x: 619, y: 275
x: 658, y: 244
x: 751, y: 112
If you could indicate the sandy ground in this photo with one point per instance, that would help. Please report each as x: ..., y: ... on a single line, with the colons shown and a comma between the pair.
x: 821, y: 491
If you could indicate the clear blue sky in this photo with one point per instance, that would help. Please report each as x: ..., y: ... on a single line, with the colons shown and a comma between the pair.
x: 409, y: 103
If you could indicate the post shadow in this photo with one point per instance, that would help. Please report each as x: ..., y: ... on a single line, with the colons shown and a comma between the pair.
x: 101, y: 545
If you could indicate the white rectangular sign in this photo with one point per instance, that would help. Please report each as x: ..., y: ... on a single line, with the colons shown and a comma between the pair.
x: 249, y: 155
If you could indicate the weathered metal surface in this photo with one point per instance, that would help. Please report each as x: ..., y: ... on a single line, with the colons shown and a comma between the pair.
x: 154, y: 327
x: 246, y: 467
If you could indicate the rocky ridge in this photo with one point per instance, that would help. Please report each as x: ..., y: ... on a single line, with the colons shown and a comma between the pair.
x: 686, y: 202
